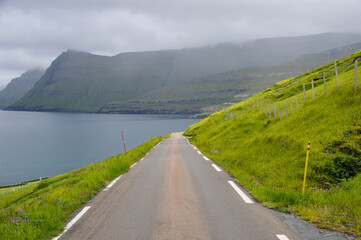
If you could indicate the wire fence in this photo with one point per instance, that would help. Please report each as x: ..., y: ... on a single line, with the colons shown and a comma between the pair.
x: 274, y: 109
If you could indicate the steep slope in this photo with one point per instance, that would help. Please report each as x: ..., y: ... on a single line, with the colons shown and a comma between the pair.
x: 192, y: 96
x: 78, y: 81
x: 266, y: 150
x: 19, y: 86
x: 207, y: 93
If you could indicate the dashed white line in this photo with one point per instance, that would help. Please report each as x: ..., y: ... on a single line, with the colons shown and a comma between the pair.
x: 141, y: 159
x: 239, y: 191
x: 199, y: 152
x: 205, y: 158
x: 216, y: 167
x: 111, y: 184
x: 282, y: 237
x: 133, y: 165
x: 73, y: 221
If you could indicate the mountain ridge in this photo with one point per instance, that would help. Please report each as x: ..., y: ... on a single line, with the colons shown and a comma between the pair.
x: 85, y: 82
x: 19, y: 86
x: 232, y: 85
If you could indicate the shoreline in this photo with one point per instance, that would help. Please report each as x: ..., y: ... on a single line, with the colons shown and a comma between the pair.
x: 186, y: 114
x: 23, y: 182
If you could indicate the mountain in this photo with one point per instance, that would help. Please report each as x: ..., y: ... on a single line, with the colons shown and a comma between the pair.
x: 19, y: 86
x: 207, y: 93
x: 79, y: 81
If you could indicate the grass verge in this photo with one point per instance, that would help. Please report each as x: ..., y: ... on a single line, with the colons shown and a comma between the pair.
x: 267, y: 155
x: 40, y: 211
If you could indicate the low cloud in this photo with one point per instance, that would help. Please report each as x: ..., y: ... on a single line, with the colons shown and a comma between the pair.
x: 34, y: 32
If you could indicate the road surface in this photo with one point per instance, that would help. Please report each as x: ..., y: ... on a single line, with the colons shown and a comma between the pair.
x: 175, y: 192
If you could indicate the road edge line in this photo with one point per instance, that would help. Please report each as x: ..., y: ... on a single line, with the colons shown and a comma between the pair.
x: 240, y: 192
x: 282, y: 237
x: 73, y: 221
x: 216, y: 167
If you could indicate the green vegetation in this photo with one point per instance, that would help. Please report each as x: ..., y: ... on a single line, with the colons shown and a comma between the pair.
x: 11, y: 189
x: 18, y: 87
x: 267, y: 155
x: 40, y: 210
x: 193, y: 96
x: 210, y: 93
x: 175, y: 81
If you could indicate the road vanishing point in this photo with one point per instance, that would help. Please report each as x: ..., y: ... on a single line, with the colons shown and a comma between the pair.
x: 175, y: 192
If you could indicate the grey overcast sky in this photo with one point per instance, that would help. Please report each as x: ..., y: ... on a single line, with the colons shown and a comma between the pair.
x: 35, y: 32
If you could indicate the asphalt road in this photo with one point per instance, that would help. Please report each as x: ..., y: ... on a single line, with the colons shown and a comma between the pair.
x: 177, y: 193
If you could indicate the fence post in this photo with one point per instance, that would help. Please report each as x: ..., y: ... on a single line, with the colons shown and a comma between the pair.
x: 274, y: 106
x: 324, y: 83
x: 125, y: 150
x: 286, y: 110
x: 305, y: 174
x: 279, y: 106
x: 254, y: 103
x: 297, y: 103
x: 313, y: 89
x: 356, y: 65
x: 304, y: 92
x: 269, y: 109
x: 291, y: 108
x: 338, y: 84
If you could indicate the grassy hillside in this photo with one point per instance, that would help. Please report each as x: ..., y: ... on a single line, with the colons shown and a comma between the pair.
x: 195, y: 94
x: 78, y: 81
x: 267, y: 154
x: 18, y: 87
x: 207, y: 94
x: 40, y: 210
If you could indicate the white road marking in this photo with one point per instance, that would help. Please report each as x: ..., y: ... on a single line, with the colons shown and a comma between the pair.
x: 199, y: 152
x: 133, y: 165
x: 141, y: 159
x: 216, y: 167
x: 282, y: 237
x: 73, y: 221
x: 239, y: 191
x: 111, y: 184
x: 195, y: 148
x: 205, y: 158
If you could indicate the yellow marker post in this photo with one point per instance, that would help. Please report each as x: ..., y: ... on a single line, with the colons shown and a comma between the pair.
x: 304, y: 177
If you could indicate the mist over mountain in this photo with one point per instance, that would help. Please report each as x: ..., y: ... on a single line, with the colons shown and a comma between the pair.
x: 79, y: 81
x: 19, y: 86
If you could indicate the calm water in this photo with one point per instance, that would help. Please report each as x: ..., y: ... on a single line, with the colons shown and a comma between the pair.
x: 38, y: 144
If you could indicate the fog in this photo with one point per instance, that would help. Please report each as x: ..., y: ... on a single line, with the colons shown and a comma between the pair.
x: 34, y: 32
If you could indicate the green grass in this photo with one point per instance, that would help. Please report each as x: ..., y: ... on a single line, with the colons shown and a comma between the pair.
x: 267, y: 155
x: 40, y: 210
x: 11, y: 189
x: 173, y: 81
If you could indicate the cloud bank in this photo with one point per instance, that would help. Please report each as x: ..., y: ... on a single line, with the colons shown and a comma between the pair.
x: 34, y: 32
